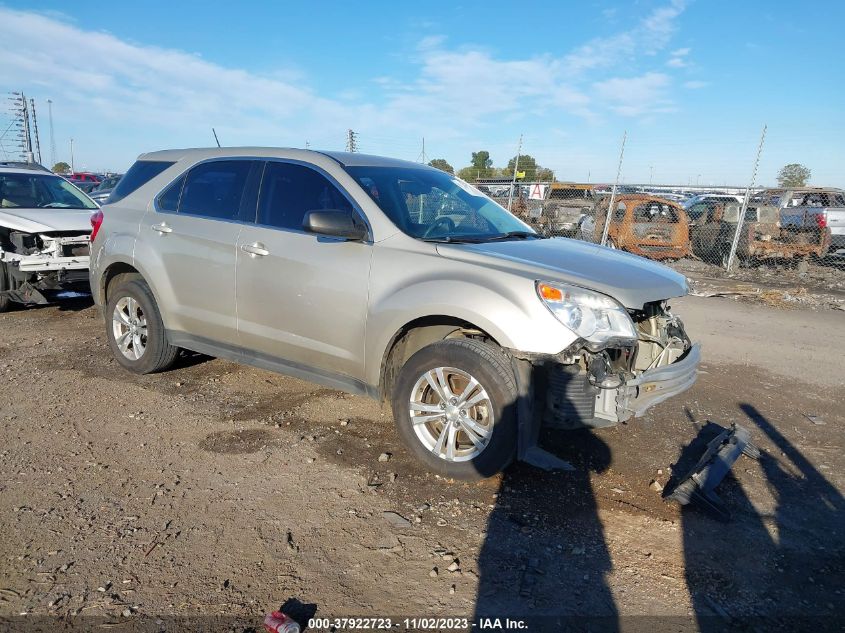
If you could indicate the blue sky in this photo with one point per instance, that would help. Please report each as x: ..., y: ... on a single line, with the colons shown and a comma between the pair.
x: 692, y: 82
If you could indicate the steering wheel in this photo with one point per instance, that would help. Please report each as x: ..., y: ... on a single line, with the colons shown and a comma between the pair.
x: 443, y: 219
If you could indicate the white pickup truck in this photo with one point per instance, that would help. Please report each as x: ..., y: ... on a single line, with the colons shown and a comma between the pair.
x: 45, y: 229
x: 813, y: 208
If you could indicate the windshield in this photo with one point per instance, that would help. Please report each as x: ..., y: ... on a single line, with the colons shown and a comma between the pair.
x: 432, y: 205
x: 40, y: 191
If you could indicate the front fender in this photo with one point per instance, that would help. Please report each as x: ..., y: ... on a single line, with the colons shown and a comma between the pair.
x: 508, y: 310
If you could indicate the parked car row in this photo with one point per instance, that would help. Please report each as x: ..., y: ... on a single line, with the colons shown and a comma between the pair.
x: 778, y: 224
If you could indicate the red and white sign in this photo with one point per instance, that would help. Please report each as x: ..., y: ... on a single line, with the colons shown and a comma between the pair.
x: 537, y: 192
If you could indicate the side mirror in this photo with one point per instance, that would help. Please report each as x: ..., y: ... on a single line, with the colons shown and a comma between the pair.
x: 335, y: 223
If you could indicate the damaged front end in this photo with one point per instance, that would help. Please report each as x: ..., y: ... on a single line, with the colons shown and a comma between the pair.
x: 597, y: 387
x: 36, y: 263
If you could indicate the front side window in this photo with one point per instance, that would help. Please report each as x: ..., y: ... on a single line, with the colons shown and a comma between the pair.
x: 289, y: 191
x: 41, y: 191
x: 215, y: 189
x: 142, y: 172
x: 433, y: 205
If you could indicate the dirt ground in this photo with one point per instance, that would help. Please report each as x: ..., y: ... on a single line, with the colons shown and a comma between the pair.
x: 220, y: 490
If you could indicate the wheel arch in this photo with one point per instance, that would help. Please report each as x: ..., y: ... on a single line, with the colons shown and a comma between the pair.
x: 418, y: 333
x: 114, y: 272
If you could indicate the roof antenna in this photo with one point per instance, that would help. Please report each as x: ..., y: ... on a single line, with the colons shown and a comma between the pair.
x: 215, y: 137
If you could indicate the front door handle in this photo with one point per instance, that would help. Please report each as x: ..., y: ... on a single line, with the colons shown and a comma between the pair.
x: 162, y: 228
x: 256, y: 248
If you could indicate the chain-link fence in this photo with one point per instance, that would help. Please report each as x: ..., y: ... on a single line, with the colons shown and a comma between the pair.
x: 750, y: 234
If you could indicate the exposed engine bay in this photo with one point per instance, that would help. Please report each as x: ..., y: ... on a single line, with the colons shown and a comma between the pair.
x: 34, y: 262
x: 602, y: 387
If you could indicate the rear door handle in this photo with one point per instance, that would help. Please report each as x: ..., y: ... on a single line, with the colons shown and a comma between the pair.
x: 162, y: 228
x: 254, y: 249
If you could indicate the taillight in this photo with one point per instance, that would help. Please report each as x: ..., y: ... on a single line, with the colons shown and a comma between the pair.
x: 96, y: 222
x: 821, y: 220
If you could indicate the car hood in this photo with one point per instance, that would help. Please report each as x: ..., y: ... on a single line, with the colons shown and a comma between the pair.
x: 46, y: 220
x: 633, y: 281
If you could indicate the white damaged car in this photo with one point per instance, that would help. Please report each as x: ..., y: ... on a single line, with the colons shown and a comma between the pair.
x: 45, y: 234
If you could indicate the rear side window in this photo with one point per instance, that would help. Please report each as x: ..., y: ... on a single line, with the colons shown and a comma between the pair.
x: 289, y: 191
x: 215, y: 189
x: 168, y: 200
x: 138, y: 175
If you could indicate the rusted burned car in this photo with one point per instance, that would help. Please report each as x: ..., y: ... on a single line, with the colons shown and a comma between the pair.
x: 645, y: 225
x: 762, y: 235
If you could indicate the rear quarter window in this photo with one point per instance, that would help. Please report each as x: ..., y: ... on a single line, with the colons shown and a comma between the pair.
x: 138, y: 175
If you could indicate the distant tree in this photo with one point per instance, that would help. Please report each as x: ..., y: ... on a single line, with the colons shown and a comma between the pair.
x: 61, y: 168
x: 468, y: 173
x: 481, y: 160
x: 528, y: 164
x: 794, y: 175
x: 442, y: 165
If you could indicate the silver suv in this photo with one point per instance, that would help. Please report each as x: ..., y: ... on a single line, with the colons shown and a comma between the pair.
x: 392, y: 280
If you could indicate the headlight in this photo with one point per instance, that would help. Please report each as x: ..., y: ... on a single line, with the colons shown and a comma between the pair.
x: 591, y: 315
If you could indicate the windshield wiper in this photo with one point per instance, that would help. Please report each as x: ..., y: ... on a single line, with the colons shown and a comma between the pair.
x: 513, y: 234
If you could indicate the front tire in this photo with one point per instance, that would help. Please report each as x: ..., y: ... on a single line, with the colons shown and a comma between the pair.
x: 135, y: 330
x: 454, y: 405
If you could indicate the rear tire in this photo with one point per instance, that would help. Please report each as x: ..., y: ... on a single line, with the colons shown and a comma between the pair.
x: 135, y: 330
x: 479, y: 404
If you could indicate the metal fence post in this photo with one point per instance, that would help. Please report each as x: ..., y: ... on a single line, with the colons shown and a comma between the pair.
x: 515, y: 168
x: 613, y: 192
x: 746, y: 198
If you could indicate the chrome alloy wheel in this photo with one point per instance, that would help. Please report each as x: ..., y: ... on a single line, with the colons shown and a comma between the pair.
x: 129, y: 327
x: 452, y: 414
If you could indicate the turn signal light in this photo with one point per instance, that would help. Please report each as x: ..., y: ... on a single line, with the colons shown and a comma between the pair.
x: 549, y: 293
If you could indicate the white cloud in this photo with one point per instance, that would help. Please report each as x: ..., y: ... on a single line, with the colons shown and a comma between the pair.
x: 651, y: 35
x: 678, y: 58
x: 636, y: 96
x: 157, y: 97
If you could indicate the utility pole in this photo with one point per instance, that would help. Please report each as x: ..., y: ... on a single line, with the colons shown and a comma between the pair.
x: 35, y: 130
x: 351, y: 141
x: 650, y: 174
x: 744, y: 207
x: 423, y: 158
x: 515, y: 167
x: 52, y: 137
x: 72, y: 169
x: 307, y: 145
x: 26, y: 130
